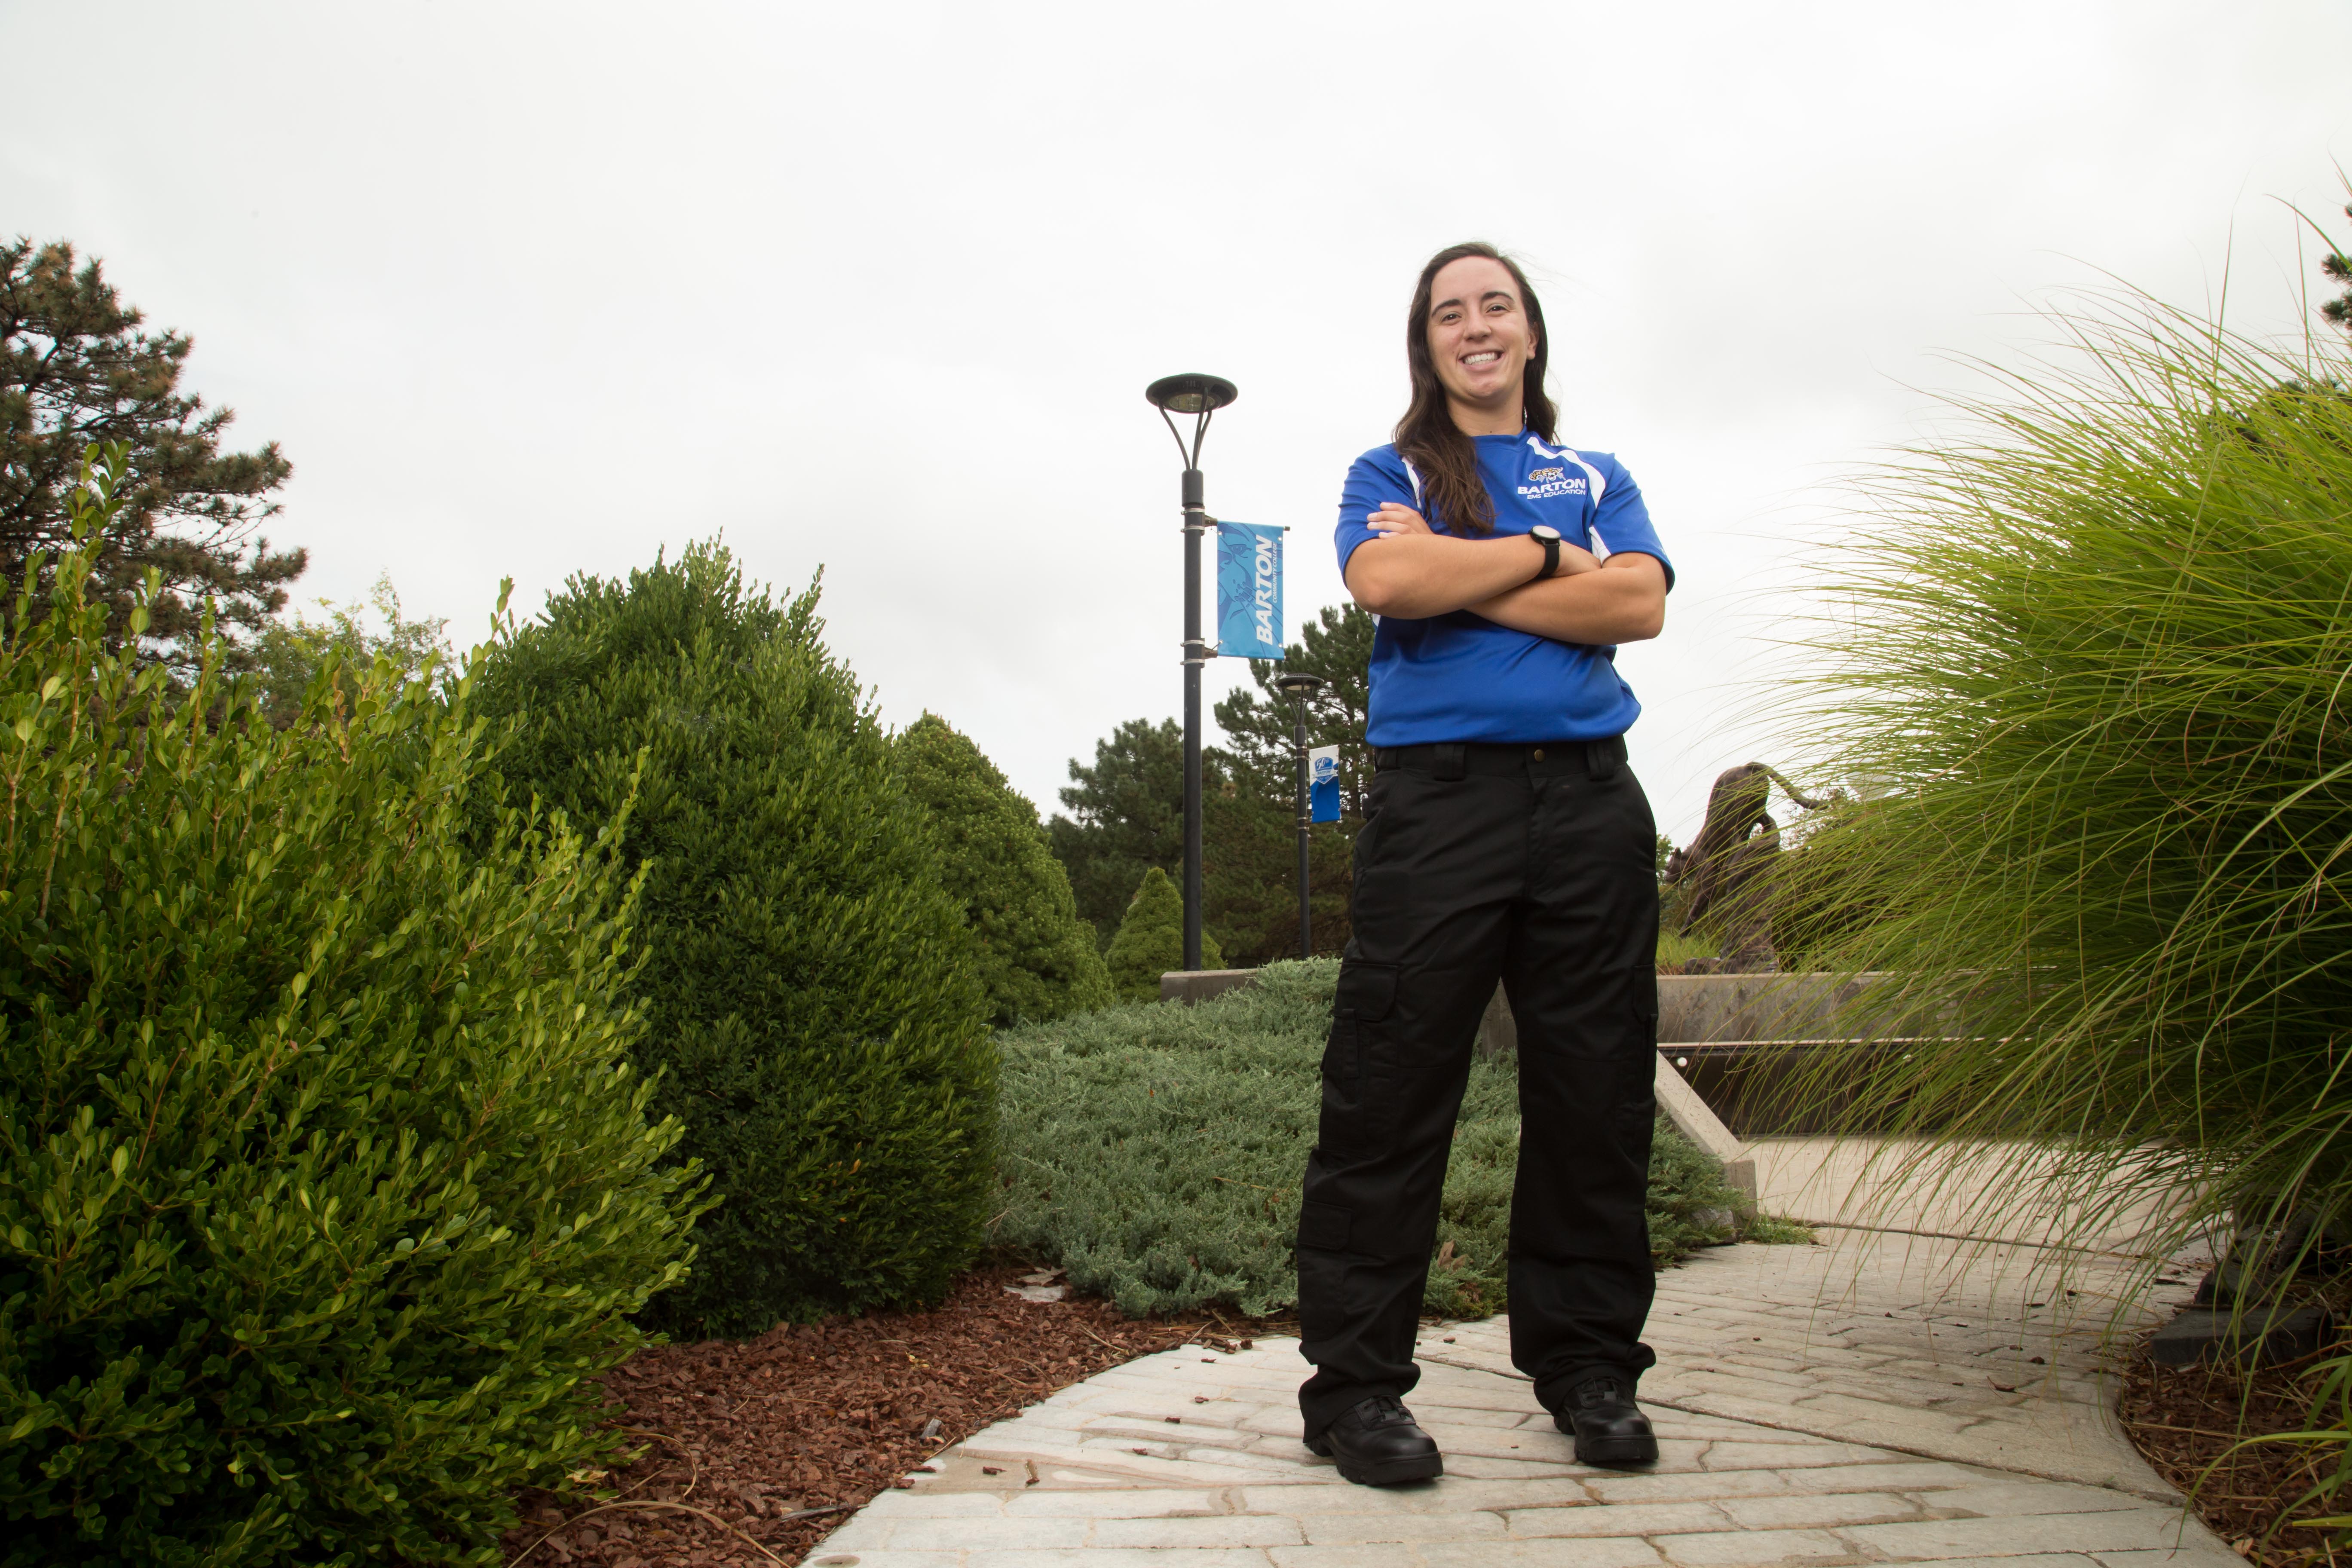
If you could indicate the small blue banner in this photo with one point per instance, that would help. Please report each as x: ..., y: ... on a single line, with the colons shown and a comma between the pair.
x: 1323, y: 784
x: 1249, y: 590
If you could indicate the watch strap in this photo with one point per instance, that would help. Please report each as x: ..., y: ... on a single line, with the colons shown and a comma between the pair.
x: 1550, y: 542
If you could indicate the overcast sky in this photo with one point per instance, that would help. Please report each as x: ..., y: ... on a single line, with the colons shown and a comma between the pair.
x: 526, y: 290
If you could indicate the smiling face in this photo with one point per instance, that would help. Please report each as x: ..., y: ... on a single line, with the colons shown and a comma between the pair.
x: 1480, y: 340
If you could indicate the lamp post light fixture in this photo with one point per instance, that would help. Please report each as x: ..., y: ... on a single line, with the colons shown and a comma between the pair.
x: 1201, y: 396
x: 1302, y: 689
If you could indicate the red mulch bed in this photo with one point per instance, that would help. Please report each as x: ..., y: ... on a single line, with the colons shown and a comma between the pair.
x: 751, y: 1452
x: 2186, y: 1419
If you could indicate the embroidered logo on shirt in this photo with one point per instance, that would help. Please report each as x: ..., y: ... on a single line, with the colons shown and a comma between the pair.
x: 1550, y: 484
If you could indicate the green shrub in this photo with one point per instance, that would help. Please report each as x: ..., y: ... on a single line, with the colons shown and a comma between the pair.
x: 1676, y: 948
x: 1150, y: 939
x: 1155, y: 1152
x: 1037, y: 960
x: 289, y: 653
x: 809, y: 990
x: 326, y: 1184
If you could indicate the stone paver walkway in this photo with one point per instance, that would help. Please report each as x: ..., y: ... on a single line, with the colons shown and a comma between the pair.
x: 1875, y: 1399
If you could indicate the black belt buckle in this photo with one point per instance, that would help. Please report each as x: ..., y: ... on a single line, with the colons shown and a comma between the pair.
x: 1449, y: 760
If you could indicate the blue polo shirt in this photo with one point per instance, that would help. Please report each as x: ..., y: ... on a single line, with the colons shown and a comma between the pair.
x: 1460, y: 676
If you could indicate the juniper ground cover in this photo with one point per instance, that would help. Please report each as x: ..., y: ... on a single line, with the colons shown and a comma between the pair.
x: 1155, y: 1152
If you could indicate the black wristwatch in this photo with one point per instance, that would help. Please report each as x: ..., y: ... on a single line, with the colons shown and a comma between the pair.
x: 1548, y: 538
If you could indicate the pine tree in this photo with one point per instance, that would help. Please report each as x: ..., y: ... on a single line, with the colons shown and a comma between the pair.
x: 1127, y: 813
x: 1150, y: 939
x: 1126, y: 810
x: 1337, y: 645
x: 76, y: 369
x: 1251, y: 871
x: 809, y: 989
x: 1037, y: 959
x: 1249, y: 876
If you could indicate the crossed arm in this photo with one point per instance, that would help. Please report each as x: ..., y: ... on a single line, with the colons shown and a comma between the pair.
x: 1404, y: 570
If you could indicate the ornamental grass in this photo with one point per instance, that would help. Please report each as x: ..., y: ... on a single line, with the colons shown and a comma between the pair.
x: 2090, y: 657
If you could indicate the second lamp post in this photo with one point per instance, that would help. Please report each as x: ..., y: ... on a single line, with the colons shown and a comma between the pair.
x: 1302, y: 689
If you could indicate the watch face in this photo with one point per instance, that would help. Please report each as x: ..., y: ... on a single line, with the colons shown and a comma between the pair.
x: 1544, y: 530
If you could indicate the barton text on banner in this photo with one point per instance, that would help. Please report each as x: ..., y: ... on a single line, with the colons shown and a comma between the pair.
x: 1249, y: 590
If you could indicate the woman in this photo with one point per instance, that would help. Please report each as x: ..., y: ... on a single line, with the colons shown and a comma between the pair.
x: 1507, y: 839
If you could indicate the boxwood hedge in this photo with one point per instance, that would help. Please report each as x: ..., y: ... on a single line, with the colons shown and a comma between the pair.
x: 325, y: 1178
x: 813, y: 1000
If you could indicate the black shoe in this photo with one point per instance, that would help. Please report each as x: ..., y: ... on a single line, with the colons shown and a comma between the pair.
x: 1608, y: 1426
x: 1378, y: 1445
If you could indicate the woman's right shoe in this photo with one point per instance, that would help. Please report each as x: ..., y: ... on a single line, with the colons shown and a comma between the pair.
x: 1378, y: 1444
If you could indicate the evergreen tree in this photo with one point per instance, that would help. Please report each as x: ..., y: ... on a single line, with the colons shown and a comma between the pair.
x: 1250, y: 871
x: 1150, y: 939
x: 76, y: 369
x: 1126, y: 810
x: 1127, y: 815
x: 1338, y: 645
x: 1249, y: 876
x: 809, y: 995
x: 1037, y: 959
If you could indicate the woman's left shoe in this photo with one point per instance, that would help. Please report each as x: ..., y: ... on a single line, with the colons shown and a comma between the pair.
x: 1608, y: 1426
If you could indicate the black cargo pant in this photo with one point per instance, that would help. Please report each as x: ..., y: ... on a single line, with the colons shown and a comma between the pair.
x: 1533, y: 864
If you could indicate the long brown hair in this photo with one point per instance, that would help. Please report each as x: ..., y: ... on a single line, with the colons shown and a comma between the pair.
x: 1452, y: 496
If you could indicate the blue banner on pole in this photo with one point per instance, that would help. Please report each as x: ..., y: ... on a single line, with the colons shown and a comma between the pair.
x: 1249, y: 590
x: 1323, y: 784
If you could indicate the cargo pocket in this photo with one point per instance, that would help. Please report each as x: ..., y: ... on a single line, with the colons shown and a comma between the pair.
x: 1637, y: 1106
x: 1324, y: 1226
x: 1367, y: 991
x: 1616, y: 1019
x: 1352, y: 1121
x: 1343, y: 1057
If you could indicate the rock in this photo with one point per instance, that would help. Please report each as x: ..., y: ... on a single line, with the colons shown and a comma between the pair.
x: 1038, y: 1292
x: 2265, y: 1339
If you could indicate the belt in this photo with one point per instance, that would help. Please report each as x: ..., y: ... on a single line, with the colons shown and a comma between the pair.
x: 1594, y: 759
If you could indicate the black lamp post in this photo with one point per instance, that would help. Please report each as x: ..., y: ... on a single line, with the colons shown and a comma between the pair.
x: 1302, y: 689
x: 1199, y: 396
